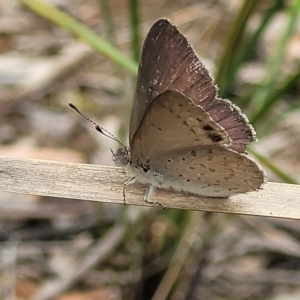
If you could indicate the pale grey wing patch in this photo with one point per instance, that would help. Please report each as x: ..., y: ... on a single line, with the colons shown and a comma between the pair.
x: 207, y: 171
x: 171, y: 122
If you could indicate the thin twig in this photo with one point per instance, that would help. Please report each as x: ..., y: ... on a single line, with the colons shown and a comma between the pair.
x: 105, y: 184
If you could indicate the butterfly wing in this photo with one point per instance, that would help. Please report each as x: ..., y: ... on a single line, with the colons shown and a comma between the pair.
x: 169, y: 62
x: 178, y: 145
x: 211, y: 171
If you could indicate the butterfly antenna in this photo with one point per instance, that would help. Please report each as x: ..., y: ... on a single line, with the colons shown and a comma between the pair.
x: 97, y: 126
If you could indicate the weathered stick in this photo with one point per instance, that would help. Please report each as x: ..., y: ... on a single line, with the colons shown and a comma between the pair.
x: 105, y: 184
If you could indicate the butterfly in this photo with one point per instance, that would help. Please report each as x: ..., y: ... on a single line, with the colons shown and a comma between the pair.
x: 182, y: 136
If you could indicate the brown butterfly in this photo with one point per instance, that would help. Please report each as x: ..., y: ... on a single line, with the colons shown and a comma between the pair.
x: 182, y: 136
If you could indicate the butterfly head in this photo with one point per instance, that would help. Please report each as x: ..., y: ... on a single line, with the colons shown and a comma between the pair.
x: 122, y: 156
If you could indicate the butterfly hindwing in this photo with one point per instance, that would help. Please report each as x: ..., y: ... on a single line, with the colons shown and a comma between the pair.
x: 210, y: 171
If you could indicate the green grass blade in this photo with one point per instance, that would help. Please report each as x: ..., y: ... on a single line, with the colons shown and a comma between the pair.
x: 135, y: 32
x: 265, y: 97
x: 234, y: 37
x: 89, y: 37
x: 268, y: 128
x: 249, y: 46
x: 108, y: 20
x: 267, y: 163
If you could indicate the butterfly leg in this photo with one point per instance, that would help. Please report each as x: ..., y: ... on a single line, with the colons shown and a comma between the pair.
x: 148, y: 195
x: 127, y: 182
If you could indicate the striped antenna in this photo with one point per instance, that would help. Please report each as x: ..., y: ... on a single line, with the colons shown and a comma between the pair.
x: 97, y: 126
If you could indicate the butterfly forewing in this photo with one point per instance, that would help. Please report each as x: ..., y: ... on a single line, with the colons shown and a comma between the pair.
x: 169, y: 62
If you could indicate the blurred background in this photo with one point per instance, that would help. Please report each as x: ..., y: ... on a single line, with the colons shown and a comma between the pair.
x: 69, y: 249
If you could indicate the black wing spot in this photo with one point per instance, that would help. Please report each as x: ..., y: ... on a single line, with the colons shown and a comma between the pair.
x: 194, y: 153
x: 145, y: 165
x: 192, y: 168
x: 215, y: 137
x: 145, y: 168
x: 207, y: 127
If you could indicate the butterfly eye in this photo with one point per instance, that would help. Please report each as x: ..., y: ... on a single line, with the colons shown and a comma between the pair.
x: 121, y: 157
